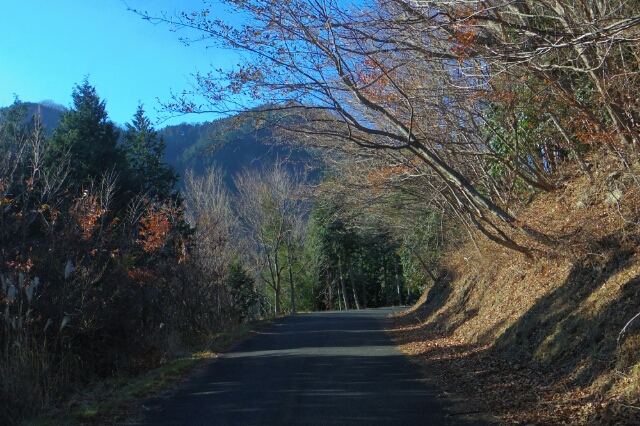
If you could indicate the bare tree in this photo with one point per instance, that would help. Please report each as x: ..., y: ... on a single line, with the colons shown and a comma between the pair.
x: 381, y: 77
x: 208, y: 210
x: 271, y: 211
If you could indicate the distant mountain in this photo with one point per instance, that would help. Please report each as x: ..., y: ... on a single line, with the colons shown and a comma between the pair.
x: 50, y: 113
x: 230, y: 144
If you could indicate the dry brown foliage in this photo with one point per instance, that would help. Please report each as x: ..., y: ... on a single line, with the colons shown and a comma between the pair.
x: 538, y: 341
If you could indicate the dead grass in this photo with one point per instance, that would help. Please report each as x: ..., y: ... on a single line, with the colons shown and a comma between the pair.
x: 538, y: 339
x: 119, y: 399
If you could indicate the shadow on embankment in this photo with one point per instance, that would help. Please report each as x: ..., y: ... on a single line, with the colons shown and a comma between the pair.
x: 573, y: 329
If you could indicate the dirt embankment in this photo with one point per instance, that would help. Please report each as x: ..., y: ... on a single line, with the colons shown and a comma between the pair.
x: 540, y: 341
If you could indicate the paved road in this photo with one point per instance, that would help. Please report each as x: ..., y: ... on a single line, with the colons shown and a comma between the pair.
x: 333, y: 368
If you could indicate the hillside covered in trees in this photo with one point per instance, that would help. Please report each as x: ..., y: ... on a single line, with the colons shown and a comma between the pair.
x: 230, y: 145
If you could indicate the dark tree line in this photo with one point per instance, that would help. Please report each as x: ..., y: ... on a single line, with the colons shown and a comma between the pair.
x: 100, y: 274
x: 353, y: 268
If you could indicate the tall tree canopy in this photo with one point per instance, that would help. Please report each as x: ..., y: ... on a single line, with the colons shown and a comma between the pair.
x: 143, y: 151
x: 87, y: 139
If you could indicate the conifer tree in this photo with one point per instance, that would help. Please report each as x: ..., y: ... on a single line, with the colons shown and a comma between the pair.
x: 143, y: 151
x: 241, y: 286
x: 89, y: 138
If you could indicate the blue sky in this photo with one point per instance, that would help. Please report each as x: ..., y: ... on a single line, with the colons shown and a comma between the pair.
x: 47, y: 46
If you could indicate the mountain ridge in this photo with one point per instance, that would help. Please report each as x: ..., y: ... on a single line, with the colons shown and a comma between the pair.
x: 231, y: 144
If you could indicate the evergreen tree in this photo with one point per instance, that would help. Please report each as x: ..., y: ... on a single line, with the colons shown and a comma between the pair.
x: 143, y: 151
x: 13, y: 138
x: 88, y: 139
x: 241, y: 287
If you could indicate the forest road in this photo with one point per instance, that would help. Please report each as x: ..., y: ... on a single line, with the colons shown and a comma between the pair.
x: 329, y: 368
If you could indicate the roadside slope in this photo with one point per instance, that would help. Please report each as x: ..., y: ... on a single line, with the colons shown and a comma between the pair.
x: 540, y: 339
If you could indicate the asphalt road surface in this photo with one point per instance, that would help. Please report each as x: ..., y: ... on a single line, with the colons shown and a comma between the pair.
x: 330, y: 368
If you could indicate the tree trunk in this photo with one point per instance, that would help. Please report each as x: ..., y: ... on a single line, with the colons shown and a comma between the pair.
x: 339, y: 298
x: 395, y: 258
x: 277, y: 283
x: 293, y: 294
x: 384, y: 280
x: 345, y: 295
x: 330, y: 288
x: 274, y: 281
x: 353, y: 286
x: 424, y: 265
x: 364, y: 289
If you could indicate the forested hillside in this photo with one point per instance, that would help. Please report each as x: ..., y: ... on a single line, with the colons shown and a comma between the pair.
x: 229, y: 145
x: 49, y: 112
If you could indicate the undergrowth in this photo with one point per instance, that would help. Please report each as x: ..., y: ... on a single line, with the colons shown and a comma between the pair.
x: 118, y: 399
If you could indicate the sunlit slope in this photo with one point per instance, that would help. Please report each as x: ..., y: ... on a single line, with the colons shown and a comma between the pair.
x: 552, y: 338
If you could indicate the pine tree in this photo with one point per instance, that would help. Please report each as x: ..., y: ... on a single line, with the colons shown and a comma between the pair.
x: 88, y: 139
x: 143, y: 151
x: 241, y: 287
